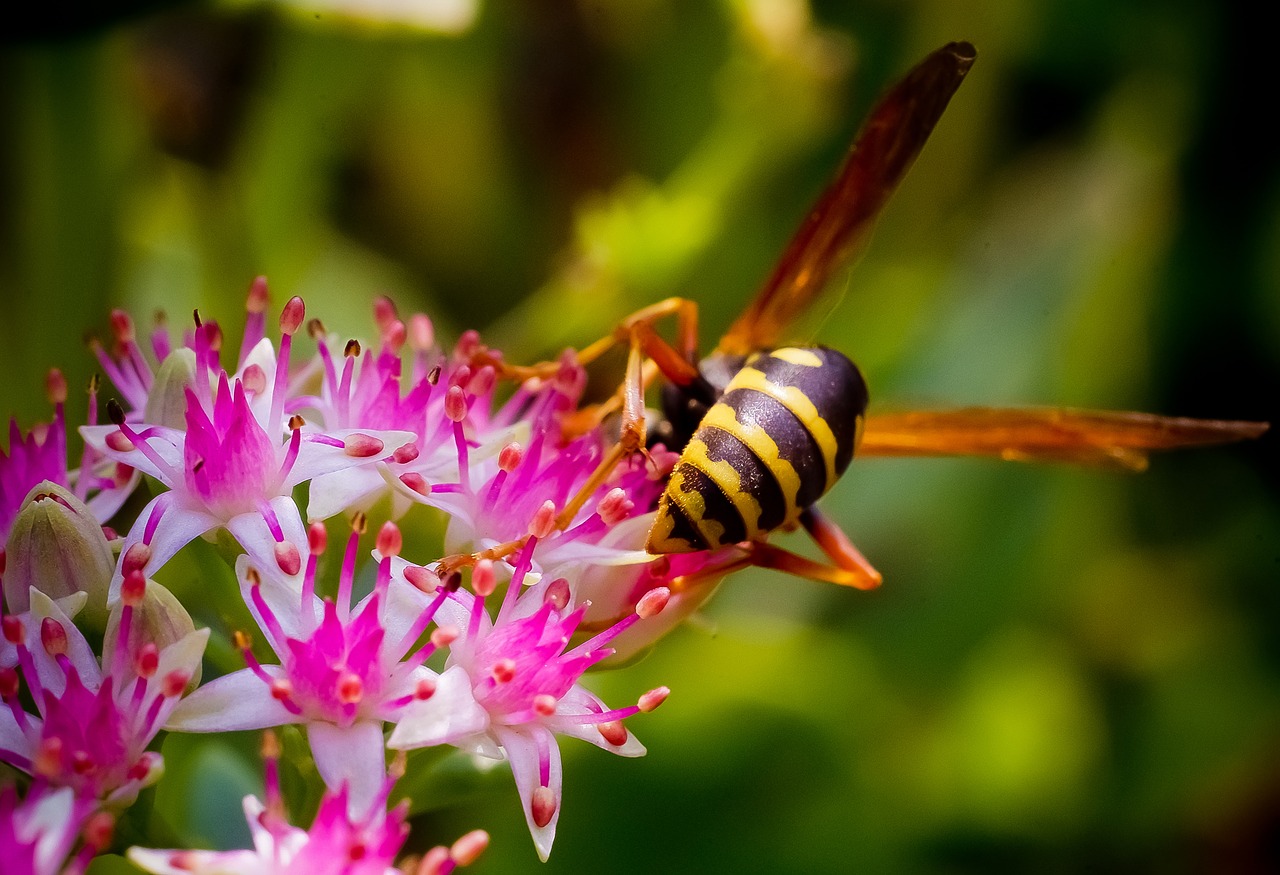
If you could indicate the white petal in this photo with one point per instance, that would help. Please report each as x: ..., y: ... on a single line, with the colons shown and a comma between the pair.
x: 167, y: 443
x: 579, y: 701
x: 344, y: 491
x: 178, y: 526
x: 315, y: 458
x: 106, y: 503
x: 81, y: 655
x: 240, y: 700
x: 254, y: 535
x: 521, y: 746
x: 352, y: 755
x: 451, y: 714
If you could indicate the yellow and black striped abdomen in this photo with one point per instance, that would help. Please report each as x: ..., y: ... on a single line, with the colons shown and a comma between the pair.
x: 781, y: 434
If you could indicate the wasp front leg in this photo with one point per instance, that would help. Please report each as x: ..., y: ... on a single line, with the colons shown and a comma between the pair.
x: 648, y: 354
x: 648, y: 351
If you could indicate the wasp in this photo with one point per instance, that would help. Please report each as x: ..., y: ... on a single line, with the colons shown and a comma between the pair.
x: 764, y: 430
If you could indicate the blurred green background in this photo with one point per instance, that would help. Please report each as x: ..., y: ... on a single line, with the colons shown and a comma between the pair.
x: 1065, y: 670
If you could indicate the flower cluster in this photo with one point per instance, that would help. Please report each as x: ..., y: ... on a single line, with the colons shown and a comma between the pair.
x: 481, y: 645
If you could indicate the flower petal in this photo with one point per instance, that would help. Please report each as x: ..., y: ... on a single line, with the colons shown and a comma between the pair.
x: 240, y: 700
x: 522, y: 747
x: 451, y: 714
x: 352, y: 755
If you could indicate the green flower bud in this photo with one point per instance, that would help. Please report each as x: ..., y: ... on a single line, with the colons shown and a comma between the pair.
x: 158, y: 619
x: 58, y: 547
x: 167, y: 400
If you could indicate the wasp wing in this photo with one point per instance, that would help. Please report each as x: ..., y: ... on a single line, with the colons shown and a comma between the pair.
x: 841, y: 220
x: 1048, y: 434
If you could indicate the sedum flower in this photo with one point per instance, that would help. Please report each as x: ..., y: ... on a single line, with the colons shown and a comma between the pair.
x: 40, y: 456
x: 39, y: 832
x: 94, y: 722
x: 232, y: 467
x: 362, y: 390
x: 338, y: 842
x: 343, y: 670
x: 510, y: 686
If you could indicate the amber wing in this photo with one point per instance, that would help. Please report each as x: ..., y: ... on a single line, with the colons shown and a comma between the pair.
x: 841, y: 220
x: 1049, y: 434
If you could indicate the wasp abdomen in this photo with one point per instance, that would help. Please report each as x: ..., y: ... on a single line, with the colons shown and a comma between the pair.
x: 781, y: 434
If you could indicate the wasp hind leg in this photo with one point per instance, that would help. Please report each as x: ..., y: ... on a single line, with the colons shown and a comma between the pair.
x: 850, y: 567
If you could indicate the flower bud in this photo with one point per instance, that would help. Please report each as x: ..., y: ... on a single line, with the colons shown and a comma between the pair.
x: 58, y: 547
x: 167, y: 401
x: 159, y: 619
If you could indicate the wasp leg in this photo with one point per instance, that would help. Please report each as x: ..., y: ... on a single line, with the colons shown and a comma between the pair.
x: 631, y: 438
x: 862, y: 576
x: 647, y: 347
x: 832, y: 540
x: 676, y: 363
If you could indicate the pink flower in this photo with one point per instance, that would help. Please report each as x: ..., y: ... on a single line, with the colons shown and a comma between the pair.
x: 510, y: 686
x: 39, y: 832
x: 343, y: 671
x: 93, y: 725
x: 338, y: 842
x: 362, y: 390
x: 41, y: 455
x: 232, y: 467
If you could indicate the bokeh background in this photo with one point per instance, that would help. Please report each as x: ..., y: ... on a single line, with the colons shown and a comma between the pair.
x: 1065, y: 670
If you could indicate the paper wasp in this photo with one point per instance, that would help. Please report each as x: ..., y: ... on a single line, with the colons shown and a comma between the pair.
x: 764, y: 430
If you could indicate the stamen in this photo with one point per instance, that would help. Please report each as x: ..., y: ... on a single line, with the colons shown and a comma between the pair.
x: 14, y: 631
x: 653, y: 699
x: 423, y: 578
x: 544, y: 520
x: 422, y: 334
x: 557, y: 594
x: 652, y: 602
x: 53, y: 637
x: 445, y: 635
x: 483, y: 578
x: 416, y: 482
x: 317, y: 538
x: 406, y: 453
x: 613, y: 732
x: 147, y: 660
x: 174, y: 683
x: 362, y: 446
x: 614, y: 507
x: 504, y: 670
x: 543, y: 806
x: 389, y: 541
x: 134, y: 587
x: 467, y: 849
x: 510, y: 456
x: 292, y: 315
x: 254, y: 380
x: 287, y: 558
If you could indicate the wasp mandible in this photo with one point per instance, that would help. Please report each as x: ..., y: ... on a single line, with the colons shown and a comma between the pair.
x: 765, y: 430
